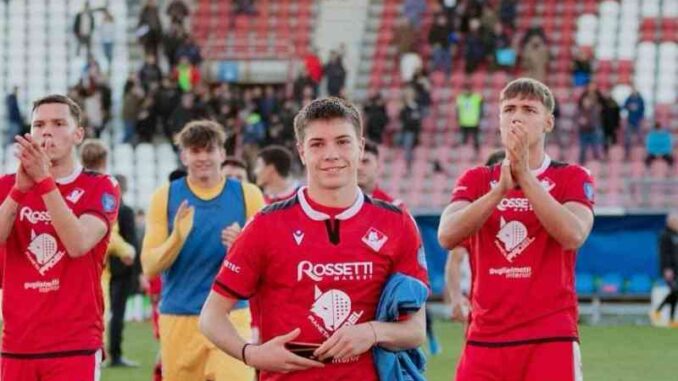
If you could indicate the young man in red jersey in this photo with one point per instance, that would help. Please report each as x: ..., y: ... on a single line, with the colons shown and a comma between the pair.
x: 368, y: 173
x: 272, y: 171
x: 55, y: 223
x: 524, y: 219
x: 317, y: 263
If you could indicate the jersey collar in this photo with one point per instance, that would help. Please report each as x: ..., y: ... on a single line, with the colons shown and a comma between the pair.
x: 544, y: 166
x: 320, y: 216
x: 70, y: 178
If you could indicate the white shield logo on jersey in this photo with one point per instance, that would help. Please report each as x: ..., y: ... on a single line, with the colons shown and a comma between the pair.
x: 547, y: 184
x: 513, y: 237
x: 332, y: 306
x: 42, y: 252
x: 375, y: 239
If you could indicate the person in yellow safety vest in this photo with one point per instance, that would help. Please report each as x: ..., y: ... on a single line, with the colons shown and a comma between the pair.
x: 469, y: 114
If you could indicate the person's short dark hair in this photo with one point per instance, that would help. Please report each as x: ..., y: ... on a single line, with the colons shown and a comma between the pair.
x: 234, y: 162
x: 93, y: 154
x: 122, y: 182
x: 372, y: 148
x: 201, y: 134
x: 279, y: 157
x: 177, y: 174
x: 495, y: 157
x: 73, y: 108
x: 528, y: 88
x: 327, y: 109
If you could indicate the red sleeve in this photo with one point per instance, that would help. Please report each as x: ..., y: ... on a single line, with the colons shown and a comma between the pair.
x: 580, y: 187
x: 6, y: 184
x: 242, y: 267
x: 467, y: 188
x: 104, y: 203
x: 2, y: 264
x: 411, y: 258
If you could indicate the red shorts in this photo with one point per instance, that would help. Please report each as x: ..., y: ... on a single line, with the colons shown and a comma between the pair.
x: 552, y: 361
x: 71, y: 368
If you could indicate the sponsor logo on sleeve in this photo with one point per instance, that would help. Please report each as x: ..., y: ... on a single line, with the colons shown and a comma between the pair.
x: 108, y: 202
x: 588, y: 191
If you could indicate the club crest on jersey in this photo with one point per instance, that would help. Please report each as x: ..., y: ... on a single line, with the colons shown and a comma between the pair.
x: 512, y: 239
x: 333, y: 307
x: 547, y: 184
x: 43, y: 252
x: 298, y: 236
x: 374, y: 239
x: 75, y: 195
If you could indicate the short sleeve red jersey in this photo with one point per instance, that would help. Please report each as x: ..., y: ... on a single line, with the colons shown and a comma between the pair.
x: 53, y: 303
x: 319, y: 272
x: 522, y: 278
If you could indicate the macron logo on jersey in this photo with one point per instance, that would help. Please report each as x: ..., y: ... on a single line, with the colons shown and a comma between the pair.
x: 337, y: 271
x: 34, y: 217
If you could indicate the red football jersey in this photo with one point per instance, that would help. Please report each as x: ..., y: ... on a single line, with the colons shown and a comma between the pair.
x: 53, y: 303
x: 522, y: 278
x: 319, y: 269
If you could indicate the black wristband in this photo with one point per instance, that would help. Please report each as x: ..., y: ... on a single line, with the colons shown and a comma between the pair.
x: 242, y: 353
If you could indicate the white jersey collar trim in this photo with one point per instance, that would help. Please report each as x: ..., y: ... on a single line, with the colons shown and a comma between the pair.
x: 70, y: 178
x: 320, y: 216
x: 544, y: 166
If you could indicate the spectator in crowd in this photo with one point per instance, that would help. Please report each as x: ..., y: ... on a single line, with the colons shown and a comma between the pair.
x: 508, y: 10
x: 474, y: 49
x: 149, y: 29
x: 190, y: 49
x: 488, y: 18
x: 183, y: 114
x: 410, y: 64
x: 314, y: 68
x: 15, y: 120
x: 133, y: 96
x: 234, y: 168
x: 147, y: 121
x: 635, y: 108
x: 253, y: 133
x: 244, y: 7
x: 83, y: 28
x: 414, y: 10
x: 422, y: 89
x: 172, y: 41
x: 449, y: 10
x: 150, y: 73
x: 534, y: 58
x: 177, y: 10
x: 107, y: 36
x: 268, y: 103
x: 97, y: 107
x: 469, y: 10
x: 186, y: 74
x: 410, y: 118
x: 611, y: 120
x: 668, y: 257
x: 589, y: 124
x: 165, y: 101
x: 376, y: 117
x: 534, y: 30
x: 439, y: 38
x: 659, y: 145
x: 405, y: 37
x: 581, y: 68
x: 303, y: 82
x: 336, y: 74
x: 502, y: 53
x: 469, y: 114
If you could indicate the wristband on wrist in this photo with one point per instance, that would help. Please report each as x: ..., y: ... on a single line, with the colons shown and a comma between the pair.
x: 17, y: 195
x: 45, y: 186
x: 242, y: 353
